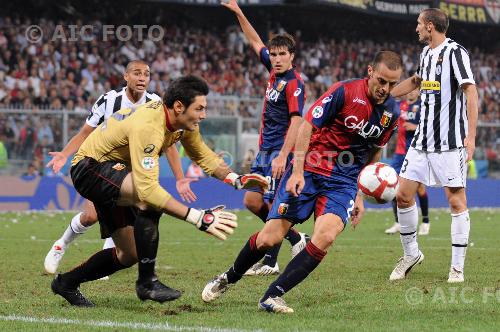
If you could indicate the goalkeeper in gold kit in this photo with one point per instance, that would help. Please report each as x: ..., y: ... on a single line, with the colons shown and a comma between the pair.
x: 117, y: 169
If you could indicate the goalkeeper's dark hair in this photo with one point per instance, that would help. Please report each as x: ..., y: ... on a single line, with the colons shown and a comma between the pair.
x: 185, y: 89
x: 437, y: 17
x: 391, y: 59
x: 282, y: 40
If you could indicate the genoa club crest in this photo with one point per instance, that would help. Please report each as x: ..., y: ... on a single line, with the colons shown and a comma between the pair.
x: 281, y: 85
x: 386, y: 119
x: 283, y: 208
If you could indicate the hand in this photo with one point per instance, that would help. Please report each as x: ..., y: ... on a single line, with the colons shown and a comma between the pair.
x: 232, y: 5
x: 247, y: 181
x: 295, y: 184
x: 214, y: 221
x: 470, y: 146
x: 57, y: 162
x: 408, y: 126
x: 184, y: 189
x: 278, y: 166
x: 357, y: 211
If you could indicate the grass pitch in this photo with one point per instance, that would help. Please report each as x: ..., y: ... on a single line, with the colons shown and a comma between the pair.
x: 348, y: 291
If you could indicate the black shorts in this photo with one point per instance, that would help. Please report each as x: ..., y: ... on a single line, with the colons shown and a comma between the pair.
x: 100, y: 183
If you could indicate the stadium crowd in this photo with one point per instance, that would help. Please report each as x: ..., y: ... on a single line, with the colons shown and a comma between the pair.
x: 57, y: 73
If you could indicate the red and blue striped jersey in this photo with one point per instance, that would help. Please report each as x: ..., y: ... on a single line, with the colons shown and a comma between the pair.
x: 285, y: 97
x: 410, y: 113
x: 347, y: 126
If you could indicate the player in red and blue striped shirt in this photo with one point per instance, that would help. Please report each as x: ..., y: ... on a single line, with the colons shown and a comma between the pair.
x: 281, y: 117
x: 344, y: 130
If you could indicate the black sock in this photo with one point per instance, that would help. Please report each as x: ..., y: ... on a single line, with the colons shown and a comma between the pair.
x: 101, y: 264
x: 293, y: 236
x: 272, y: 255
x: 296, y: 271
x: 424, y: 206
x: 395, y: 209
x: 146, y: 242
x: 247, y: 257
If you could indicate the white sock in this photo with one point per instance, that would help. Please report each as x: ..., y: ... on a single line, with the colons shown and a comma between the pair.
x: 408, y: 219
x: 74, y: 229
x: 460, y: 228
x: 108, y: 243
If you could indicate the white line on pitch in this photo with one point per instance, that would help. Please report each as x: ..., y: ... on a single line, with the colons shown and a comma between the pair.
x: 112, y: 324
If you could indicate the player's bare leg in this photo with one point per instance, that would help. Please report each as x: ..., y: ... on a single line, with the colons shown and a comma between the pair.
x: 272, y: 233
x: 460, y: 228
x: 408, y: 219
x: 327, y: 228
x: 255, y: 203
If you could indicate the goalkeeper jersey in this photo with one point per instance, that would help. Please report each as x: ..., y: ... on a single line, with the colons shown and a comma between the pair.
x: 136, y: 138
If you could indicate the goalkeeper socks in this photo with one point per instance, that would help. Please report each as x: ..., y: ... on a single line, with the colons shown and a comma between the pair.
x: 101, y: 264
x: 293, y: 236
x: 296, y: 271
x: 108, y: 243
x: 271, y: 255
x: 408, y: 219
x: 146, y: 242
x: 424, y: 207
x: 394, y: 204
x: 460, y: 228
x: 74, y: 229
x: 248, y: 256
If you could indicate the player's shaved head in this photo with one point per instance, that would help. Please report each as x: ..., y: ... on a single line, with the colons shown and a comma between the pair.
x: 185, y: 89
x: 391, y: 59
x: 133, y: 63
x: 437, y: 17
x: 283, y: 40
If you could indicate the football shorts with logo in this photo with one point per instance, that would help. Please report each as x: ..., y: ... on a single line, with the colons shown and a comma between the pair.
x: 262, y: 165
x: 436, y: 169
x: 321, y: 195
x: 100, y: 183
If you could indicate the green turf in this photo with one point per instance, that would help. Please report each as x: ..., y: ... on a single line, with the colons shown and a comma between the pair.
x: 348, y: 291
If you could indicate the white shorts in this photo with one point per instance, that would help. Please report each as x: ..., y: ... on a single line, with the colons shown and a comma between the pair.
x: 436, y: 169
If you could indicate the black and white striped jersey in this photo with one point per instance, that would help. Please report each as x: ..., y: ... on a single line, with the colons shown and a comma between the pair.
x: 443, y: 117
x: 112, y: 101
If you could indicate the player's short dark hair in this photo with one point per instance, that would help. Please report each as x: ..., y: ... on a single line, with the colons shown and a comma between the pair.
x: 133, y: 62
x: 282, y: 40
x: 185, y: 89
x: 437, y: 17
x: 391, y: 59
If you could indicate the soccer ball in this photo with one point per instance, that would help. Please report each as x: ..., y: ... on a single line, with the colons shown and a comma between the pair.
x: 378, y: 183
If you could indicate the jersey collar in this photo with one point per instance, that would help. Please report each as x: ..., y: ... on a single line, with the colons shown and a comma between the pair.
x: 167, y: 120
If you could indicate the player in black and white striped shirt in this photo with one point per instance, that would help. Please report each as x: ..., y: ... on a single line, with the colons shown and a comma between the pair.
x: 137, y: 76
x: 444, y: 140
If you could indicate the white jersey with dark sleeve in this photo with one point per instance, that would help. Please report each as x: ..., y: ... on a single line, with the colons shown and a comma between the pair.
x: 111, y: 102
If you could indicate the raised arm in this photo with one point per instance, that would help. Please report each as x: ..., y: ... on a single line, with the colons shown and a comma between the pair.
x: 248, y: 30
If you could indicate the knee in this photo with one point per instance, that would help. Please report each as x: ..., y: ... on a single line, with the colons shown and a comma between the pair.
x: 126, y: 258
x: 404, y: 200
x: 88, y: 218
x: 252, y: 203
x: 457, y: 204
x: 267, y: 241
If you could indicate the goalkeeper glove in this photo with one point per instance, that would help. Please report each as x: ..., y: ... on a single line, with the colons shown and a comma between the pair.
x: 247, y: 181
x: 214, y: 221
